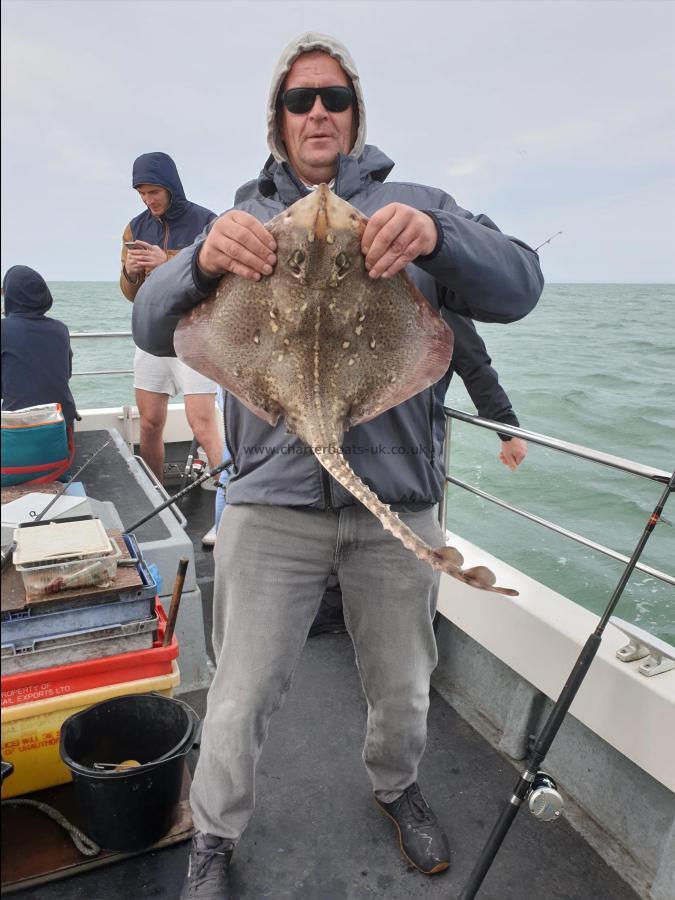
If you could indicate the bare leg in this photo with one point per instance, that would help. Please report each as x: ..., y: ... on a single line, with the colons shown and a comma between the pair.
x: 200, y: 410
x: 152, y: 409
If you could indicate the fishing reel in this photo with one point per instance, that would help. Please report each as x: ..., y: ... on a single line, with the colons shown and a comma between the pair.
x: 544, y: 799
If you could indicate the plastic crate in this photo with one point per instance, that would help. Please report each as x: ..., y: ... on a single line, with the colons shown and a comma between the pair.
x: 30, y: 731
x: 40, y: 684
x: 129, y: 605
x: 64, y: 649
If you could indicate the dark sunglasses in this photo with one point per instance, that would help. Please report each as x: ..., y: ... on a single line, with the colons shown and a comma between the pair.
x: 301, y: 100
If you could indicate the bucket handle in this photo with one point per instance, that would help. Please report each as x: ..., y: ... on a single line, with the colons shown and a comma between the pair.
x: 194, y: 738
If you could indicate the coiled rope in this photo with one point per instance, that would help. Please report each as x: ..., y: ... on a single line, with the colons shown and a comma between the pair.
x: 83, y: 843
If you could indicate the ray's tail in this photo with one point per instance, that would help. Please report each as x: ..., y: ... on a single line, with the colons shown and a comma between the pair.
x: 443, y: 559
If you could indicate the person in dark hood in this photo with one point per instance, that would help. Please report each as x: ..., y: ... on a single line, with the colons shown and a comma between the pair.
x: 36, y: 354
x: 288, y: 525
x: 169, y: 223
x: 471, y: 361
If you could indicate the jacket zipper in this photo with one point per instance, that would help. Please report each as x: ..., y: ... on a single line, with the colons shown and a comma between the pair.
x: 432, y: 447
x: 336, y: 183
x: 327, y: 488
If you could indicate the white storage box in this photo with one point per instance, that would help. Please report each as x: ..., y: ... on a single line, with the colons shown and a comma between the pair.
x: 64, y: 556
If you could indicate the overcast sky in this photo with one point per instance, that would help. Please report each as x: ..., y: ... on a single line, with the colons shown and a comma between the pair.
x: 547, y: 116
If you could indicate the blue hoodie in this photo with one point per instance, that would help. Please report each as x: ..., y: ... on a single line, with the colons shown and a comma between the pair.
x: 175, y: 229
x: 182, y: 221
x: 36, y: 354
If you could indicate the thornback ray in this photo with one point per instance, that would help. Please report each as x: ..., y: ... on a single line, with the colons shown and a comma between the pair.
x: 325, y: 346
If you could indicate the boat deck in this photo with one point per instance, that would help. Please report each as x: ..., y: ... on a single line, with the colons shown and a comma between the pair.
x: 316, y: 833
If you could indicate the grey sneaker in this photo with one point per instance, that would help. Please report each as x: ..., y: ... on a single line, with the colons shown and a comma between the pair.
x: 208, y: 875
x: 420, y: 835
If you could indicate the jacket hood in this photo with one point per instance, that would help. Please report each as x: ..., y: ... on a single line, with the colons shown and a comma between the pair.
x: 26, y: 292
x: 277, y: 177
x: 304, y: 43
x: 159, y: 168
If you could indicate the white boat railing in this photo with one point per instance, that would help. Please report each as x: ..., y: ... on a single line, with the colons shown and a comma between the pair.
x: 100, y: 334
x: 79, y: 335
x: 577, y: 450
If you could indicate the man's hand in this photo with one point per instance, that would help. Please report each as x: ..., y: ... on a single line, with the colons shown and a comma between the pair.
x: 132, y: 264
x: 238, y: 243
x: 145, y: 258
x: 396, y: 235
x: 513, y: 452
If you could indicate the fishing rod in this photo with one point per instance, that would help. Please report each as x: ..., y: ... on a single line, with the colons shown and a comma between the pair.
x: 176, y: 497
x: 547, y: 241
x: 536, y: 786
x: 9, y: 552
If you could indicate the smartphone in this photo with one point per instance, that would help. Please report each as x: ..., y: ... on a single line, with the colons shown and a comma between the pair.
x: 133, y: 245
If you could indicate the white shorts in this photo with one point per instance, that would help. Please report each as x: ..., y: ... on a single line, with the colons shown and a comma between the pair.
x: 168, y: 375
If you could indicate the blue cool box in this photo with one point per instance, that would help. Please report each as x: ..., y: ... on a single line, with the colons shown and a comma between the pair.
x: 37, y: 445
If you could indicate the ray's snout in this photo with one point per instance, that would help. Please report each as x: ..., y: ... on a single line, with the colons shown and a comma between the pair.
x: 322, y: 213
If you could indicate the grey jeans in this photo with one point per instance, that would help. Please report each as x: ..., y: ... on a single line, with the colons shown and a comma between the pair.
x: 271, y: 569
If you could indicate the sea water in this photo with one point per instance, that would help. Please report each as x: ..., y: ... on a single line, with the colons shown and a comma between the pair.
x: 593, y: 364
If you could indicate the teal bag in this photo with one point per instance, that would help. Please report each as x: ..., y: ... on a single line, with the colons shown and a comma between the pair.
x: 36, y: 445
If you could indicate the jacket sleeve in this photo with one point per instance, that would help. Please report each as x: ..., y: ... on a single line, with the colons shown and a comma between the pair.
x: 129, y: 288
x: 482, y: 273
x: 473, y: 365
x: 173, y: 289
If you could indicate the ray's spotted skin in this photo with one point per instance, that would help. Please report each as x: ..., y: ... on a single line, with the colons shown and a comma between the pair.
x: 327, y: 347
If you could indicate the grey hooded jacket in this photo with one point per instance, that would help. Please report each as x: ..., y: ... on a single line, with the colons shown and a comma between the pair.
x: 474, y: 270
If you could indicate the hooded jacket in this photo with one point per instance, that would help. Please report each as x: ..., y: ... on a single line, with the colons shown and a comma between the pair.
x: 176, y: 228
x: 475, y: 270
x: 36, y: 354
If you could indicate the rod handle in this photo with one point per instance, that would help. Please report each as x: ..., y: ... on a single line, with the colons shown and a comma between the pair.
x: 175, y: 600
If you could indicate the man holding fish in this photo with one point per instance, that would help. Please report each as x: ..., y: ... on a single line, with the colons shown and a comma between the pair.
x: 295, y: 516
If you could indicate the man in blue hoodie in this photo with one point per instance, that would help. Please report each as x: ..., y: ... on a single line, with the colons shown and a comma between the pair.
x: 36, y: 354
x: 169, y: 223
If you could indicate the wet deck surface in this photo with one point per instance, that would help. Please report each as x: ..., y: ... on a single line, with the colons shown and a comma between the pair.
x: 316, y: 833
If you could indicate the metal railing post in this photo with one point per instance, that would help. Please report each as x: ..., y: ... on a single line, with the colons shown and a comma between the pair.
x: 442, y: 506
x: 128, y: 426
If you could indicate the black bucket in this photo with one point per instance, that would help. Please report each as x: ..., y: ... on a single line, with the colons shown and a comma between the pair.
x: 131, y: 808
